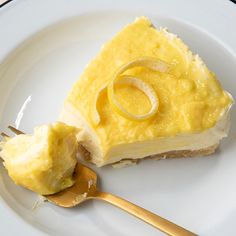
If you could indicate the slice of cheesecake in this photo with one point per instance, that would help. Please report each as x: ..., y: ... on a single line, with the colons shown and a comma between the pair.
x: 191, y: 112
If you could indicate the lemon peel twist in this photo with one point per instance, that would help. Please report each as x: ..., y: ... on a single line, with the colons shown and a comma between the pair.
x: 118, y: 78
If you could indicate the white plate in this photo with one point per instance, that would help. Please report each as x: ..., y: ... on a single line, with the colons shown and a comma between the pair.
x: 35, y: 76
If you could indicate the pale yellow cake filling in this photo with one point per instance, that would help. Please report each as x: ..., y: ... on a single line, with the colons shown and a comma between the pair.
x: 191, y: 100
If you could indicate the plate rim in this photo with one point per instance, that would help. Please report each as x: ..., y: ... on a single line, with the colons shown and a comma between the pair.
x: 22, y: 226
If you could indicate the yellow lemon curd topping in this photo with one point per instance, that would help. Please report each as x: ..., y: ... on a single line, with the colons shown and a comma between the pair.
x: 43, y: 162
x: 190, y: 98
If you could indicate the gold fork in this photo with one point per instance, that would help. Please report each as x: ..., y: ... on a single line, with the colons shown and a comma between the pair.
x: 85, y: 188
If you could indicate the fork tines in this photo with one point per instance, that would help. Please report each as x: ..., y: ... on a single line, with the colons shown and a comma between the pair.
x: 13, y: 129
x: 4, y: 135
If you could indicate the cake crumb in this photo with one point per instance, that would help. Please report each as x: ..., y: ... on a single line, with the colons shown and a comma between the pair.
x: 125, y: 163
x: 39, y: 202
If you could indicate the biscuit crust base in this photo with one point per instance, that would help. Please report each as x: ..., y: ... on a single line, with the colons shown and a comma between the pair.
x: 85, y: 155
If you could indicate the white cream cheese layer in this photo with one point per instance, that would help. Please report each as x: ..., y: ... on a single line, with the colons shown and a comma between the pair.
x: 138, y: 150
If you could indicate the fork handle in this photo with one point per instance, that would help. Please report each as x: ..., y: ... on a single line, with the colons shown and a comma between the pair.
x: 162, y: 224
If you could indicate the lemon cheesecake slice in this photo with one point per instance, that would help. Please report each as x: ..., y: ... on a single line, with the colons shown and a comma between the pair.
x: 146, y: 94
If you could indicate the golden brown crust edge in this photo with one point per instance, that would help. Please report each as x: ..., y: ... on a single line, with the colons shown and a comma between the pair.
x: 187, y: 153
x: 166, y: 155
